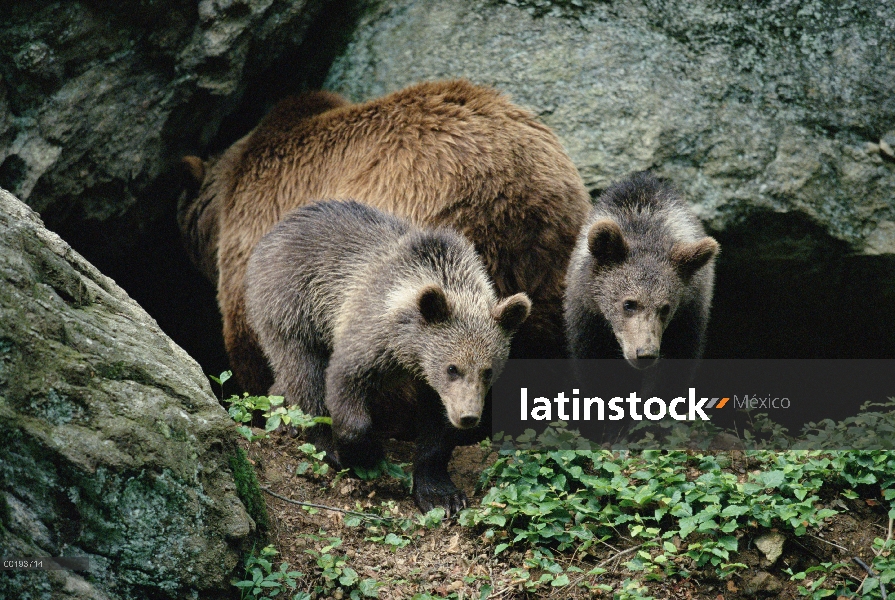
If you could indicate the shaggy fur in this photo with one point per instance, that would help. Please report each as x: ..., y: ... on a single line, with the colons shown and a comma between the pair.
x: 387, y: 328
x: 640, y: 280
x: 440, y: 154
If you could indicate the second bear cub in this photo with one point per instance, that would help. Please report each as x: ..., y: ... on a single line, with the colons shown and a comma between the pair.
x: 387, y: 328
x: 641, y: 277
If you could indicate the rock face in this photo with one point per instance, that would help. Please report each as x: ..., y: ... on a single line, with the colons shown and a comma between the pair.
x: 113, y: 445
x: 756, y: 107
x: 100, y: 100
x: 97, y: 98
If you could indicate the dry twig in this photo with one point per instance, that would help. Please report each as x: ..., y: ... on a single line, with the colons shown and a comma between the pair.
x: 323, y: 507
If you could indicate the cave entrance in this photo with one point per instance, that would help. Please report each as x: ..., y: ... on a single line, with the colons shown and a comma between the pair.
x: 786, y: 289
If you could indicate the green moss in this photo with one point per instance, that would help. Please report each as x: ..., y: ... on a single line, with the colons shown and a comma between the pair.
x: 5, y: 513
x: 247, y: 489
x: 124, y: 371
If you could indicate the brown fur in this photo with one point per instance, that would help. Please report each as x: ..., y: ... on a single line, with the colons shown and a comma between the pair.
x: 440, y: 153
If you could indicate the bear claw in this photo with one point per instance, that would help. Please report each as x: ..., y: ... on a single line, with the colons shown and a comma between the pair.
x: 451, y: 500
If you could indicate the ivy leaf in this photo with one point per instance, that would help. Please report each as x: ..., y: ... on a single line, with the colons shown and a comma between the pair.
x: 771, y: 479
x: 560, y: 581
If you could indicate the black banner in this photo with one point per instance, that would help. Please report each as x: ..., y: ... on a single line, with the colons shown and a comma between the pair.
x: 812, y: 404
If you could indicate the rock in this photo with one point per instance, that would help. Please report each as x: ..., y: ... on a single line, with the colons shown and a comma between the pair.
x: 726, y: 442
x: 99, y: 102
x: 888, y: 139
x: 747, y: 108
x: 886, y: 149
x: 113, y: 447
x: 771, y: 545
x: 762, y: 584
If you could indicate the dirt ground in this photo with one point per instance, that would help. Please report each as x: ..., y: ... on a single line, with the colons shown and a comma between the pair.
x: 455, y: 561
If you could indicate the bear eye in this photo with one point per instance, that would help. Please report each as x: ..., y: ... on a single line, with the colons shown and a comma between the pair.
x: 487, y: 374
x: 663, y: 312
x: 630, y: 305
x: 453, y: 372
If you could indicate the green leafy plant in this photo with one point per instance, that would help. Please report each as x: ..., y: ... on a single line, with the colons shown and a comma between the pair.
x: 570, y: 500
x: 242, y: 408
x: 264, y: 582
x: 316, y: 465
x: 221, y: 380
x: 385, y: 467
x: 813, y: 586
x: 394, y: 531
x: 336, y: 574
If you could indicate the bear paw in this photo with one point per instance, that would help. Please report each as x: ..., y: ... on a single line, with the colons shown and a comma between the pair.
x: 429, y: 495
x: 322, y: 439
x: 365, y: 455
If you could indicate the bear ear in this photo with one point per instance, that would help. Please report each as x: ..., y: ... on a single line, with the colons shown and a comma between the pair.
x: 689, y: 257
x: 511, y: 312
x: 433, y: 304
x: 194, y: 168
x: 606, y: 243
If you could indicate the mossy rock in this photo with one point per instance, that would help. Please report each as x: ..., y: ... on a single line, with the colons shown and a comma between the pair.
x: 113, y: 447
x: 248, y: 490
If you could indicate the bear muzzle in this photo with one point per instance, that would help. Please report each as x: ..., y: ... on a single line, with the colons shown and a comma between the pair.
x: 645, y: 357
x: 465, y: 412
x: 641, y: 340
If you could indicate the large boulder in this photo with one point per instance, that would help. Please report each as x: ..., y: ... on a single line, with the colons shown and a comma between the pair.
x: 100, y: 100
x: 755, y: 107
x: 113, y: 445
x: 97, y: 99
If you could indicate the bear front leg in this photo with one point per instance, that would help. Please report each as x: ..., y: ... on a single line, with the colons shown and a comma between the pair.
x: 352, y: 429
x: 301, y: 380
x: 432, y: 486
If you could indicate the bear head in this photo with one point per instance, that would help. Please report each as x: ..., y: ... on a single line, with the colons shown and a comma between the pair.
x: 462, y: 345
x: 638, y: 288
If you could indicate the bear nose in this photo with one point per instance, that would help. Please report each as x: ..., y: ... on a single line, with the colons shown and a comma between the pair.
x: 646, y: 357
x: 469, y: 421
x: 647, y: 353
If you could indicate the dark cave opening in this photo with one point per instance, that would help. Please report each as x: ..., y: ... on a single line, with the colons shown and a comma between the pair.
x: 786, y: 289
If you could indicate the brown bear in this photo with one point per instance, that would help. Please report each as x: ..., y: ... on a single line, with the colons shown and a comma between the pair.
x: 387, y: 328
x: 639, y: 284
x: 440, y: 154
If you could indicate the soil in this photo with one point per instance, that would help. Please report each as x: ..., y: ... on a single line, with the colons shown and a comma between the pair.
x: 456, y: 561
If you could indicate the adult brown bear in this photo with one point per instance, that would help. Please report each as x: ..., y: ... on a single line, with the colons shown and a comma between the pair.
x: 440, y: 154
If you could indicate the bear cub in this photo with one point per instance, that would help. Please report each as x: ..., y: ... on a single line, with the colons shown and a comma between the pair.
x: 640, y: 280
x: 389, y: 329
